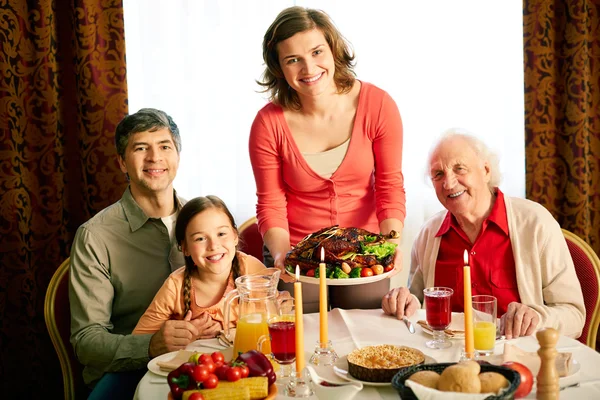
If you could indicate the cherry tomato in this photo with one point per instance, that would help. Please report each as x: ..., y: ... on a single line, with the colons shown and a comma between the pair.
x: 205, y: 358
x: 218, y: 364
x: 388, y: 268
x: 210, y: 366
x: 200, y: 373
x: 245, y: 370
x: 234, y: 374
x: 366, y: 271
x: 196, y: 396
x: 210, y: 382
x: 311, y: 273
x: 221, y: 371
x: 217, y: 356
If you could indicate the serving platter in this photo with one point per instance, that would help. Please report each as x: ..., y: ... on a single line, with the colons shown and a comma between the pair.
x: 342, y: 282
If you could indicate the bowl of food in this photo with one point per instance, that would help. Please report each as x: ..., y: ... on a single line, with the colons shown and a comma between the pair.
x: 464, y: 377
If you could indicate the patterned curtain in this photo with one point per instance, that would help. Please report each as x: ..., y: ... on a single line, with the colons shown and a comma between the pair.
x: 562, y: 112
x: 62, y: 92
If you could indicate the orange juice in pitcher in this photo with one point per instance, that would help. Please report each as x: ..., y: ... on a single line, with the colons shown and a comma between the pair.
x: 249, y: 328
x: 257, y: 294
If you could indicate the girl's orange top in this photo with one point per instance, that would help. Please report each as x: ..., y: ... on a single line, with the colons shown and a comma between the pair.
x: 168, y: 302
x: 367, y: 188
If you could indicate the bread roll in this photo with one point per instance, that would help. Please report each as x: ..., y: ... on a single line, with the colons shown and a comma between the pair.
x: 492, y: 382
x: 460, y: 377
x: 426, y: 378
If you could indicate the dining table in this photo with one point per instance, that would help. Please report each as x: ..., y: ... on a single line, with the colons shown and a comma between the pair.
x: 352, y: 329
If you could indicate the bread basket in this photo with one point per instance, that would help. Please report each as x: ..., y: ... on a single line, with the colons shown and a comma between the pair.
x: 405, y: 392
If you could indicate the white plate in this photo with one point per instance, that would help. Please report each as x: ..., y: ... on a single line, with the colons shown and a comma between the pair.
x: 154, y: 368
x: 342, y: 282
x: 342, y: 363
x: 575, y: 367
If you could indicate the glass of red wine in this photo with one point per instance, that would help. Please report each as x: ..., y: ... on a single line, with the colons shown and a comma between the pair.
x: 282, y: 332
x: 438, y: 314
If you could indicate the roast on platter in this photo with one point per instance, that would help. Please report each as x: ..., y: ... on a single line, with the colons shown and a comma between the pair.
x: 347, y: 252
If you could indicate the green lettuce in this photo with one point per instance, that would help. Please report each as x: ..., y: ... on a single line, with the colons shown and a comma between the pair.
x: 381, y: 250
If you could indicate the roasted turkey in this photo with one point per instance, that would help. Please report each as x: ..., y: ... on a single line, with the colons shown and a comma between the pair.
x: 354, y: 246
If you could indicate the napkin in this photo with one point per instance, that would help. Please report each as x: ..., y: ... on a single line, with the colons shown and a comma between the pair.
x: 425, y: 393
x: 181, y: 357
x: 456, y: 328
x: 532, y: 360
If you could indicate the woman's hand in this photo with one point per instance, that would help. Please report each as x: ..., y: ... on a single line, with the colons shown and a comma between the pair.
x: 400, y: 302
x: 397, y: 262
x: 279, y: 261
x: 519, y: 320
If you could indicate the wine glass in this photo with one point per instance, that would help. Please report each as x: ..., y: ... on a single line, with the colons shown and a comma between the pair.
x: 438, y: 314
x: 282, y: 332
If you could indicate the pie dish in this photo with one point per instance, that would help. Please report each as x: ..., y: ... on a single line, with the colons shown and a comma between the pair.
x: 381, y: 362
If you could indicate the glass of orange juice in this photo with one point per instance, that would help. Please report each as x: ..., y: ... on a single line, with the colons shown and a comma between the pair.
x: 484, y: 324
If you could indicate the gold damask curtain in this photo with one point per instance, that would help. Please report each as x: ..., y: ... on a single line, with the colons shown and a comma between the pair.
x: 562, y: 112
x: 62, y: 93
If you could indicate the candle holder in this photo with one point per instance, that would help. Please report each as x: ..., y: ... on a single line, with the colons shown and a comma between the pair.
x: 299, y: 385
x: 464, y: 356
x: 324, y: 354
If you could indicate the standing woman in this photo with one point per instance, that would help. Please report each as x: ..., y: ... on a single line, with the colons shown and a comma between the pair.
x: 326, y: 150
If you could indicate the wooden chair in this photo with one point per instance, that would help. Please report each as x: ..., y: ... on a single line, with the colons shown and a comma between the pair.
x: 251, y: 241
x: 587, y: 267
x: 57, y: 314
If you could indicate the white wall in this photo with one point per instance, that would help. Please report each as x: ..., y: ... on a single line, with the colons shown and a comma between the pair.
x: 446, y: 64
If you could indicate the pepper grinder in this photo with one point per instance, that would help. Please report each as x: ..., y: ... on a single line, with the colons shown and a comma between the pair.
x: 547, y: 379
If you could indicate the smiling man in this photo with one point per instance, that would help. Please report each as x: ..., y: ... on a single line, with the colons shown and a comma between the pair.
x: 122, y: 256
x: 517, y: 251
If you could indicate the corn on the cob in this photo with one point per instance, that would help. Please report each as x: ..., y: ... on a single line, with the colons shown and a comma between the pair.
x: 258, y: 386
x: 220, y: 393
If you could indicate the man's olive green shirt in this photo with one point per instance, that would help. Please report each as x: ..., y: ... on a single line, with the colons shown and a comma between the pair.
x: 119, y: 260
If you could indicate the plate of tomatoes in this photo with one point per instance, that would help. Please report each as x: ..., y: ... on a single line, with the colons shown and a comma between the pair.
x: 250, y: 375
x: 357, y: 276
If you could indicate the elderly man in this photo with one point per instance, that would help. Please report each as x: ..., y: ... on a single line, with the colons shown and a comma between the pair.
x: 516, y: 249
x: 122, y: 256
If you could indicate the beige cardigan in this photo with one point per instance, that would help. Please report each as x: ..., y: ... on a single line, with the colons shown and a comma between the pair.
x: 546, y: 277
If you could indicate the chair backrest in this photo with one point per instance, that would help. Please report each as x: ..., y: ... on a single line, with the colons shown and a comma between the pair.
x: 587, y: 267
x: 251, y: 241
x: 57, y: 314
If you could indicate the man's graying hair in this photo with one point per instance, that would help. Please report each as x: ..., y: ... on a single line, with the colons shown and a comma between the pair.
x: 146, y: 119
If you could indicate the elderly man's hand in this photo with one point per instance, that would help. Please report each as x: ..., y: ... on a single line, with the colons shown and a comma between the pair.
x: 399, y: 302
x: 519, y: 320
x: 173, y: 335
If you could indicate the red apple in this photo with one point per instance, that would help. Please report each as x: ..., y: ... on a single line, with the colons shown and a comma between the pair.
x: 526, y: 378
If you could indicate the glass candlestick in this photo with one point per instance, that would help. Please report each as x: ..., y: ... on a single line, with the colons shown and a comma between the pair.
x: 324, y: 354
x: 299, y: 385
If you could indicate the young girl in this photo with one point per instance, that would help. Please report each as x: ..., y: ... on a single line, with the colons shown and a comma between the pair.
x: 208, y: 237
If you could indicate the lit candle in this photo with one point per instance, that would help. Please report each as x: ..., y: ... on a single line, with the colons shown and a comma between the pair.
x: 299, y: 324
x: 469, y: 339
x: 323, y: 300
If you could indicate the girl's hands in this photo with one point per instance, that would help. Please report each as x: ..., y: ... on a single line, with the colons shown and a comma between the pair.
x: 207, y: 327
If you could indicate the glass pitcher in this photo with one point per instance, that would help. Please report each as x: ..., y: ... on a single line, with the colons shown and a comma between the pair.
x: 257, y: 295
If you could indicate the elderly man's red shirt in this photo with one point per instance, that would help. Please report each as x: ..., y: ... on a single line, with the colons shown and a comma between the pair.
x: 490, y: 257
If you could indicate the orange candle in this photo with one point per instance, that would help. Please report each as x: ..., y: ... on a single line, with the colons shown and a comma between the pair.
x: 469, y: 338
x: 323, y: 300
x: 299, y: 324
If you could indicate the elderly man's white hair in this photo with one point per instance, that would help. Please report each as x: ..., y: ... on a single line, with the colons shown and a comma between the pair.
x: 480, y: 148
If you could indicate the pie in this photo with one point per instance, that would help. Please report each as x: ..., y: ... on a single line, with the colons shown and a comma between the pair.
x: 380, y: 363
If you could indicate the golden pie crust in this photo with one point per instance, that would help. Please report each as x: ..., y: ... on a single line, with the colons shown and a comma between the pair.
x: 380, y: 363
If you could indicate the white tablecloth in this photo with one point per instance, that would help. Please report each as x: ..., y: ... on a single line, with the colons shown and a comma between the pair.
x: 350, y: 329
